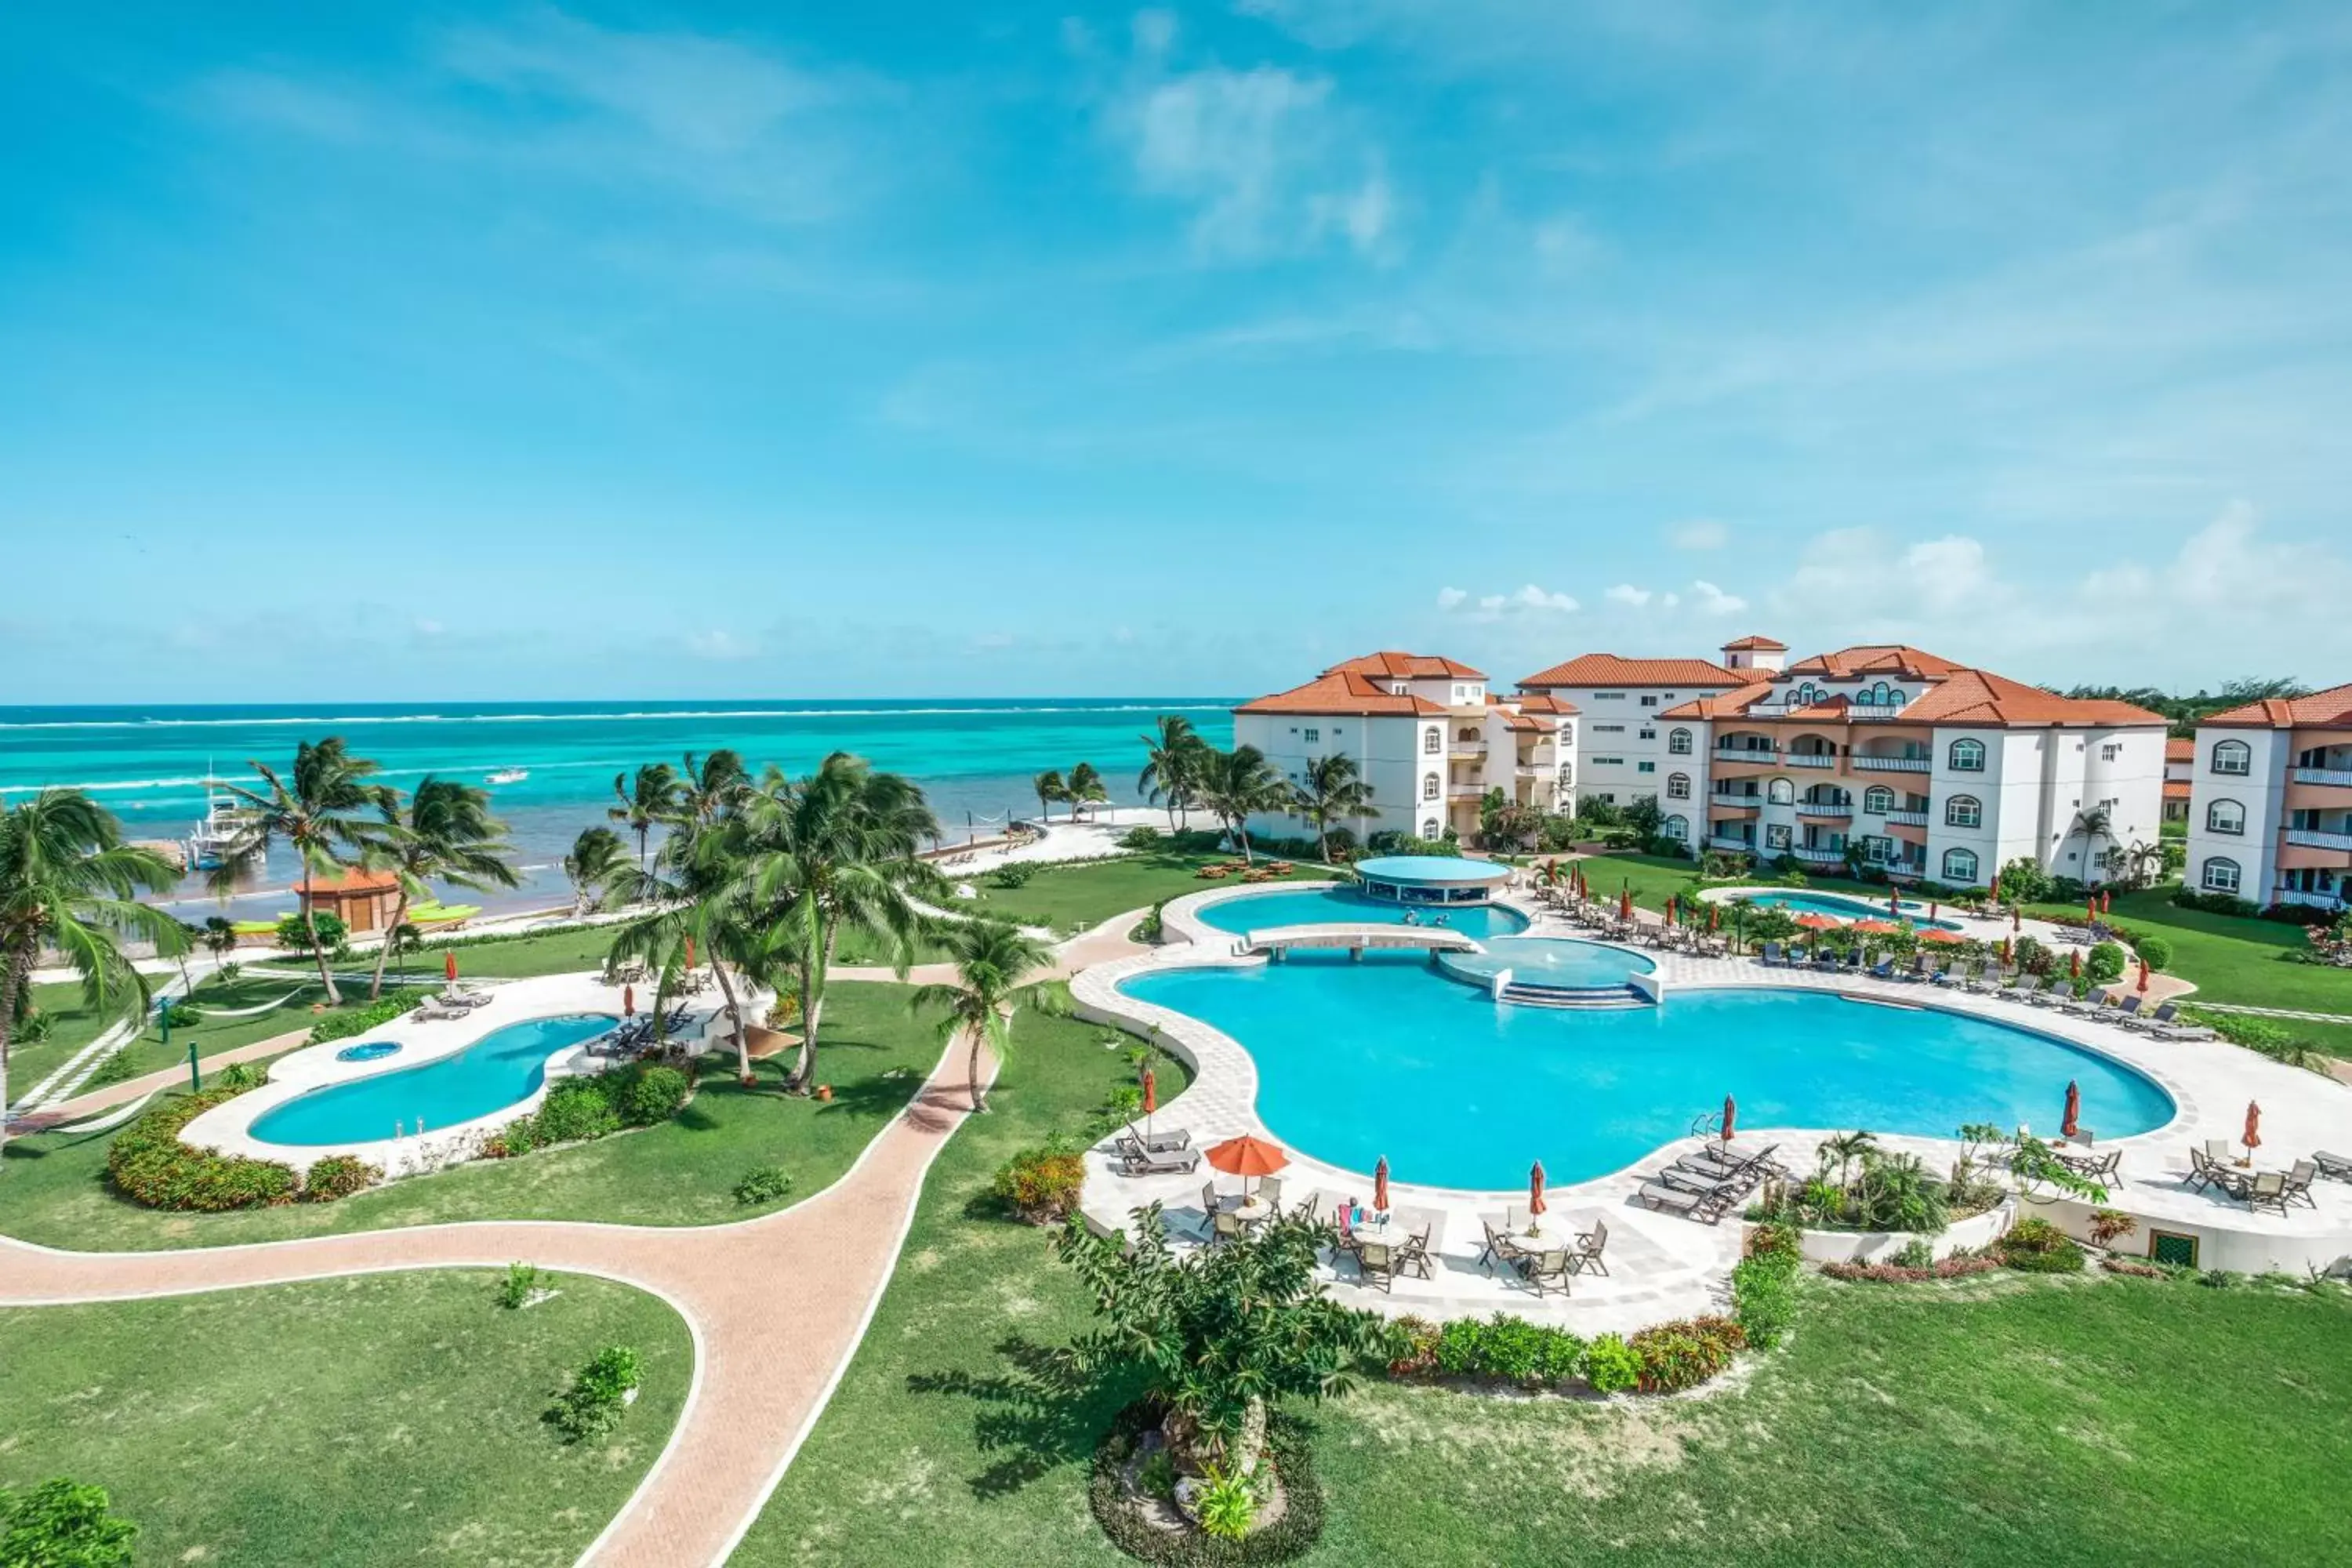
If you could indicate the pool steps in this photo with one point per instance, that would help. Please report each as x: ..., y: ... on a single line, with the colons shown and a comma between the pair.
x: 1572, y: 996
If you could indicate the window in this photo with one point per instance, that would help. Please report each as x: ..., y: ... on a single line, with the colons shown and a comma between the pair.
x: 1960, y: 865
x: 1648, y: 735
x: 1608, y: 761
x: 2221, y: 875
x: 1429, y: 787
x: 2225, y: 816
x: 2233, y: 757
x: 1779, y: 792
x: 1609, y: 729
x: 1678, y: 743
x: 1608, y: 697
x: 1431, y: 739
x: 1645, y: 767
x: 1678, y: 786
x: 1429, y: 828
x: 1964, y: 810
x: 1968, y: 756
x: 1313, y: 736
x: 2110, y: 751
x: 1650, y: 701
x: 1676, y: 828
x: 1776, y: 836
x: 1878, y: 800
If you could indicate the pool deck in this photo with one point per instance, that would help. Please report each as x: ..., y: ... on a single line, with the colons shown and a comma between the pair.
x: 1662, y: 1267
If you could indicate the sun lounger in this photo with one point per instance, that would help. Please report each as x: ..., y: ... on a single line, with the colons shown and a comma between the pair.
x: 2089, y: 1006
x: 1770, y: 957
x: 1701, y: 1183
x: 2165, y: 1023
x: 2336, y: 1167
x: 1884, y: 969
x: 1160, y: 1143
x: 1674, y: 1200
x: 1158, y: 1161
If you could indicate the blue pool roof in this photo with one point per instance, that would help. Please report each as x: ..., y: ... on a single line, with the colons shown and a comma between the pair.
x: 1431, y: 869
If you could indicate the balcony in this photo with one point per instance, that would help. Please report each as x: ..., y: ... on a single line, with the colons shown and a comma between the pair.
x: 1471, y: 791
x: 1907, y: 819
x: 2339, y: 777
x: 1466, y: 751
x: 1735, y: 756
x: 1726, y: 841
x: 1722, y: 797
x: 2318, y: 838
x: 1817, y: 854
x: 1826, y: 808
x: 1811, y: 759
x: 1891, y: 764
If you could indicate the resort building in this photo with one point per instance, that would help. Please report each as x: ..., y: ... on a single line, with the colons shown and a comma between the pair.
x: 2179, y: 770
x: 2271, y: 815
x: 1621, y: 747
x: 1927, y: 768
x: 1428, y: 736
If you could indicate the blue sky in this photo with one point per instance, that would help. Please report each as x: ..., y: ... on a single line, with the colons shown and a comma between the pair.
x: 527, y: 351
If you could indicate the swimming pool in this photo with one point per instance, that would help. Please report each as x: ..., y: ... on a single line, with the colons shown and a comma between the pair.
x: 1844, y: 909
x: 501, y: 1069
x: 1325, y: 906
x: 1383, y: 1058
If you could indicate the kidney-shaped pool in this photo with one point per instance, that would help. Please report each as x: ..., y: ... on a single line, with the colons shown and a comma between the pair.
x: 503, y: 1067
x: 1384, y: 1057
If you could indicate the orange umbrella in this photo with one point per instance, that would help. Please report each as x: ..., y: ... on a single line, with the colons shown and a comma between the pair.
x: 1670, y: 909
x: 449, y: 964
x: 628, y: 1001
x: 1996, y: 888
x: 2075, y: 963
x: 1875, y: 927
x: 1150, y: 1099
x: 2252, y: 1136
x: 2106, y: 902
x: 2093, y: 909
x: 1535, y: 1188
x: 1381, y: 1185
x: 1625, y: 905
x: 1730, y: 1114
x: 1714, y: 915
x: 1246, y: 1156
x: 2004, y: 949
x: 2073, y: 1122
x: 1941, y: 936
x: 689, y: 952
x: 2143, y: 974
x: 1818, y: 922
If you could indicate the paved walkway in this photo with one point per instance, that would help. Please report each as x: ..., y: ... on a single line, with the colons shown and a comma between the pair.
x: 776, y: 1306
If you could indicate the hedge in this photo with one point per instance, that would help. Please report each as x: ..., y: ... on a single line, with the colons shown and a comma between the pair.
x: 1298, y: 1528
x: 343, y: 1024
x: 149, y: 1165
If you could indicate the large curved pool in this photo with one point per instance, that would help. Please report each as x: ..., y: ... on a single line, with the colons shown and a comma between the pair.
x: 1326, y: 906
x: 1385, y: 1057
x: 503, y: 1067
x: 1840, y: 907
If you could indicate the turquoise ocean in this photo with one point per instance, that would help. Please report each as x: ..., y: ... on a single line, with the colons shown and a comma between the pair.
x: 973, y: 758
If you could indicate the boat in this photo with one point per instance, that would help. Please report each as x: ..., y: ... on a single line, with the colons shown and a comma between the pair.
x: 225, y: 824
x: 509, y: 775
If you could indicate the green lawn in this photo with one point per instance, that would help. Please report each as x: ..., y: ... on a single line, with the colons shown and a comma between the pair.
x: 873, y: 1052
x: 1080, y: 895
x: 383, y: 1419
x: 74, y: 1027
x: 1655, y: 877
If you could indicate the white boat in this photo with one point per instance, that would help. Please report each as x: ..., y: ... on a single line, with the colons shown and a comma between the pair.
x: 509, y: 775
x: 222, y: 826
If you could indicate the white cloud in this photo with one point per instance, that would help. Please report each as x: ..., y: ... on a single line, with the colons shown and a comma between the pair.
x: 1531, y: 599
x: 1534, y: 598
x: 720, y: 645
x: 1154, y: 31
x: 428, y: 627
x: 1626, y: 594
x: 1699, y: 534
x: 1713, y: 601
x: 1363, y: 216
x: 1450, y: 598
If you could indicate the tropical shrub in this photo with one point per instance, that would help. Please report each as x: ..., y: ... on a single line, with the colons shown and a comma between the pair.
x: 343, y: 1023
x: 2035, y: 1245
x: 1764, y: 1285
x: 1611, y: 1365
x: 1225, y: 1504
x: 1675, y: 1356
x: 2110, y: 1226
x: 241, y: 1076
x: 2023, y: 881
x: 1146, y: 1538
x: 1142, y: 835
x: 2032, y: 957
x: 1411, y: 1348
x: 516, y: 1289
x: 2273, y: 1040
x: 647, y: 1092
x: 1917, y: 1253
x: 2105, y: 962
x: 1959, y: 1264
x: 149, y: 1165
x: 338, y: 1177
x: 183, y: 1014
x: 600, y: 1392
x: 2216, y: 903
x: 293, y: 934
x: 1043, y: 1183
x: 575, y: 1108
x: 1012, y: 874
x: 764, y: 1185
x: 63, y: 1524
x: 2156, y: 953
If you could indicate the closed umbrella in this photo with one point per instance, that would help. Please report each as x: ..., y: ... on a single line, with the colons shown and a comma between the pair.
x: 2004, y: 951
x: 1996, y: 886
x: 2016, y: 922
x: 2071, y: 1122
x: 628, y: 1001
x: 1730, y: 1114
x: 1625, y: 904
x: 2075, y: 963
x: 1381, y: 1185
x: 2252, y: 1136
x: 1714, y: 915
x: 2106, y: 902
x: 449, y: 964
x: 1150, y: 1101
x: 2143, y: 975
x: 2093, y: 911
x: 1536, y: 1198
x: 1932, y: 908
x: 689, y: 952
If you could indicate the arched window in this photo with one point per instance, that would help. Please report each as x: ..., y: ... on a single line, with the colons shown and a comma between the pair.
x: 1882, y: 695
x: 2233, y: 757
x: 1466, y: 734
x: 2221, y: 874
x: 1429, y: 828
x: 1960, y: 865
x: 1676, y: 828
x: 1964, y: 810
x: 1431, y: 739
x: 1678, y: 743
x: 1898, y: 697
x: 1429, y: 787
x: 1968, y: 756
x: 2225, y: 816
x: 1878, y: 800
x: 1779, y: 792
x: 1678, y: 786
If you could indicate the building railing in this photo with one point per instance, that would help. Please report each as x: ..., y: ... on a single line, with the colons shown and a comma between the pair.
x: 2341, y: 778
x: 1811, y: 759
x: 1908, y: 818
x: 1824, y: 808
x: 1726, y: 841
x: 2318, y: 838
x: 1765, y: 755
x: 1735, y: 797
x: 1891, y: 764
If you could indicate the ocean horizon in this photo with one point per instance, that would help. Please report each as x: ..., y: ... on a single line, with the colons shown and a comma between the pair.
x: 974, y: 757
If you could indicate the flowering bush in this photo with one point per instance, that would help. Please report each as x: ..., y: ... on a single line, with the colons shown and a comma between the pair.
x: 1959, y: 1265
x: 149, y: 1165
x: 338, y: 1176
x: 1675, y: 1356
x: 1043, y: 1183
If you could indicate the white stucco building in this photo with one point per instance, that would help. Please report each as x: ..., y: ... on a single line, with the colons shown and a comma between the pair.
x: 1427, y: 734
x: 1620, y: 747
x: 2269, y: 816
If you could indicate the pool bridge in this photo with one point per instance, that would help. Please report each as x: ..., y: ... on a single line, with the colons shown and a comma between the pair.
x: 1357, y: 937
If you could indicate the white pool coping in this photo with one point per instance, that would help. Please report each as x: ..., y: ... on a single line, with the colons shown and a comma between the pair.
x: 1674, y: 1267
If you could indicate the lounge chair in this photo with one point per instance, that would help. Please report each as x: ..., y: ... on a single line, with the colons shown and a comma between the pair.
x: 2335, y: 1167
x: 1376, y: 1262
x: 1721, y: 1187
x: 1589, y: 1245
x: 2269, y: 1192
x: 1761, y: 1162
x: 1884, y: 969
x: 1159, y: 1142
x: 2091, y: 1007
x: 1923, y: 967
x: 1547, y: 1270
x: 2059, y: 989
x: 1825, y: 960
x: 1691, y: 1205
x: 434, y: 1007
x: 2164, y: 1024
x: 1160, y: 1162
x: 1709, y: 1169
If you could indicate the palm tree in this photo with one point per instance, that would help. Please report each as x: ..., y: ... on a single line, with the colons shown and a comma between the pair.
x: 445, y: 834
x: 710, y: 784
x: 404, y: 940
x: 651, y: 798
x: 595, y: 856
x: 1050, y: 788
x: 1333, y: 791
x: 1845, y: 1148
x: 1083, y: 788
x: 219, y: 936
x: 688, y: 896
x: 993, y: 961
x: 67, y: 881
x: 1235, y: 784
x: 2093, y: 823
x: 326, y: 811
x: 833, y: 851
x: 1172, y: 765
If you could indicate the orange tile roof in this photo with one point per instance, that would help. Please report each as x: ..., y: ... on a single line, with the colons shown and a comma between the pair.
x: 1757, y: 642
x: 1409, y: 667
x: 2176, y: 789
x: 2177, y: 748
x: 1525, y: 722
x: 1722, y: 705
x: 353, y: 881
x: 1344, y: 693
x: 1877, y: 658
x: 2331, y: 707
x: 1545, y: 702
x: 1980, y: 697
x: 1609, y: 670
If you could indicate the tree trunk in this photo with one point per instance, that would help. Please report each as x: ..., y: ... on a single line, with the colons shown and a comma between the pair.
x: 318, y: 948
x: 979, y: 1098
x: 820, y: 949
x: 12, y: 984
x: 1241, y: 831
x: 1194, y: 1451
x: 735, y: 1016
x: 384, y: 949
x: 1323, y: 841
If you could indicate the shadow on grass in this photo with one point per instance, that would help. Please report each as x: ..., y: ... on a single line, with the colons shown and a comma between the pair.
x: 1045, y: 1410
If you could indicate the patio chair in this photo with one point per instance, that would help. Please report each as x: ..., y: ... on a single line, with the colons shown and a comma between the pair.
x: 1225, y: 1225
x: 2218, y: 1150
x: 1883, y: 969
x: 2335, y: 1167
x: 1269, y: 1189
x: 2200, y: 1171
x: 1159, y: 1142
x: 2298, y: 1184
x: 1770, y: 957
x: 1376, y: 1263
x: 1164, y: 1163
x: 1589, y: 1245
x: 1500, y: 1248
x: 2269, y: 1192
x: 1547, y: 1270
x: 1412, y: 1254
x: 1209, y: 1204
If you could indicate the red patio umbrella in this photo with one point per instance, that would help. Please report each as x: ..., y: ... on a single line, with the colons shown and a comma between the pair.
x: 2092, y: 910
x: 2252, y: 1136
x: 1876, y: 927
x: 2143, y: 974
x: 2071, y: 1122
x: 689, y: 952
x: 1150, y: 1099
x: 2004, y: 949
x: 1714, y: 915
x: 1670, y: 909
x: 1535, y: 1188
x: 1381, y: 1185
x: 1996, y: 886
x: 2075, y: 963
x: 1625, y: 905
x: 449, y: 964
x: 1818, y: 922
x: 1941, y: 936
x: 1730, y: 1115
x: 1246, y: 1156
x: 2106, y: 901
x: 628, y: 1001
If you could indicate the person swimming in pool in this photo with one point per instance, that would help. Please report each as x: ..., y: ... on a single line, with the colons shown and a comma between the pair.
x: 1439, y: 918
x: 1413, y: 917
